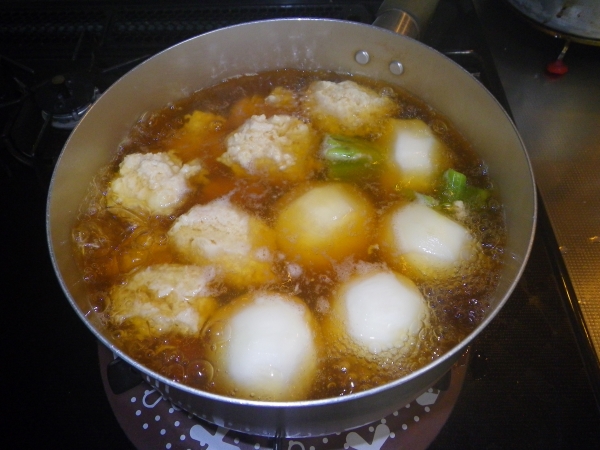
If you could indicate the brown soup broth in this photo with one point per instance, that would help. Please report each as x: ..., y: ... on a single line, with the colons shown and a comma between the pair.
x: 108, y: 246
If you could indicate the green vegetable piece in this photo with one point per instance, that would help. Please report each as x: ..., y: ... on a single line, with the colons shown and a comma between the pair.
x: 476, y: 197
x: 455, y: 184
x: 349, y: 158
x: 455, y: 188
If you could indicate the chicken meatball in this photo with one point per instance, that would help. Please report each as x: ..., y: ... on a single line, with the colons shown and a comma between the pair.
x: 277, y: 148
x: 165, y: 298
x: 346, y: 108
x: 222, y: 234
x: 152, y: 183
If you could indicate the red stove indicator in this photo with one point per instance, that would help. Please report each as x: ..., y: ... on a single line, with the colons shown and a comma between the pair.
x: 558, y: 67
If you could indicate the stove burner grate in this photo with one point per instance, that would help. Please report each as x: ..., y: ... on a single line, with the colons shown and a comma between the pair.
x: 66, y: 98
x: 40, y: 107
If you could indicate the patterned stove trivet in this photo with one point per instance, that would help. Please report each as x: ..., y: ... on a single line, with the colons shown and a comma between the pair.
x: 151, y: 422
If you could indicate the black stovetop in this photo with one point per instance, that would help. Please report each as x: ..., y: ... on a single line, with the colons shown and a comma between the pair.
x: 526, y: 385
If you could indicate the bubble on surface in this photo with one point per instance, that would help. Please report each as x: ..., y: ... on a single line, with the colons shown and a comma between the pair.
x: 201, y: 370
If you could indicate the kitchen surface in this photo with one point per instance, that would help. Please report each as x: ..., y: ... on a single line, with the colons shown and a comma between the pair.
x: 530, y: 380
x: 558, y: 117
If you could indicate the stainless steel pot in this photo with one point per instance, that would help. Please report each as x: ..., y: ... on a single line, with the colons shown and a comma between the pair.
x: 574, y: 20
x: 307, y: 44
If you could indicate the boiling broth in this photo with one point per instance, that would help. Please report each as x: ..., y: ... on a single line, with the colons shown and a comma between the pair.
x: 110, y: 244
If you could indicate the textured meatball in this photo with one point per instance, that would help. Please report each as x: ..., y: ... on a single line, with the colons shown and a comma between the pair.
x: 152, y: 183
x: 224, y: 235
x: 347, y: 108
x: 165, y: 298
x: 280, y: 147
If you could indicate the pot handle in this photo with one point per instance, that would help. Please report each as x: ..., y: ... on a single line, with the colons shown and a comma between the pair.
x: 406, y: 17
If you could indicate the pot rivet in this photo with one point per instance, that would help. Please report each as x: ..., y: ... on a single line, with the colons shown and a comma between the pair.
x: 396, y: 67
x: 362, y: 57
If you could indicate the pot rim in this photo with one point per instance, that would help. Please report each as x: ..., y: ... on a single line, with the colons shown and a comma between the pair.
x: 450, y: 354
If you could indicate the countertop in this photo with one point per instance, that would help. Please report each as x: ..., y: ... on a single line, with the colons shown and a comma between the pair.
x: 558, y: 118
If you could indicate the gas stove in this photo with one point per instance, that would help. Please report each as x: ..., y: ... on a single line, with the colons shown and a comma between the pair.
x: 526, y: 381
